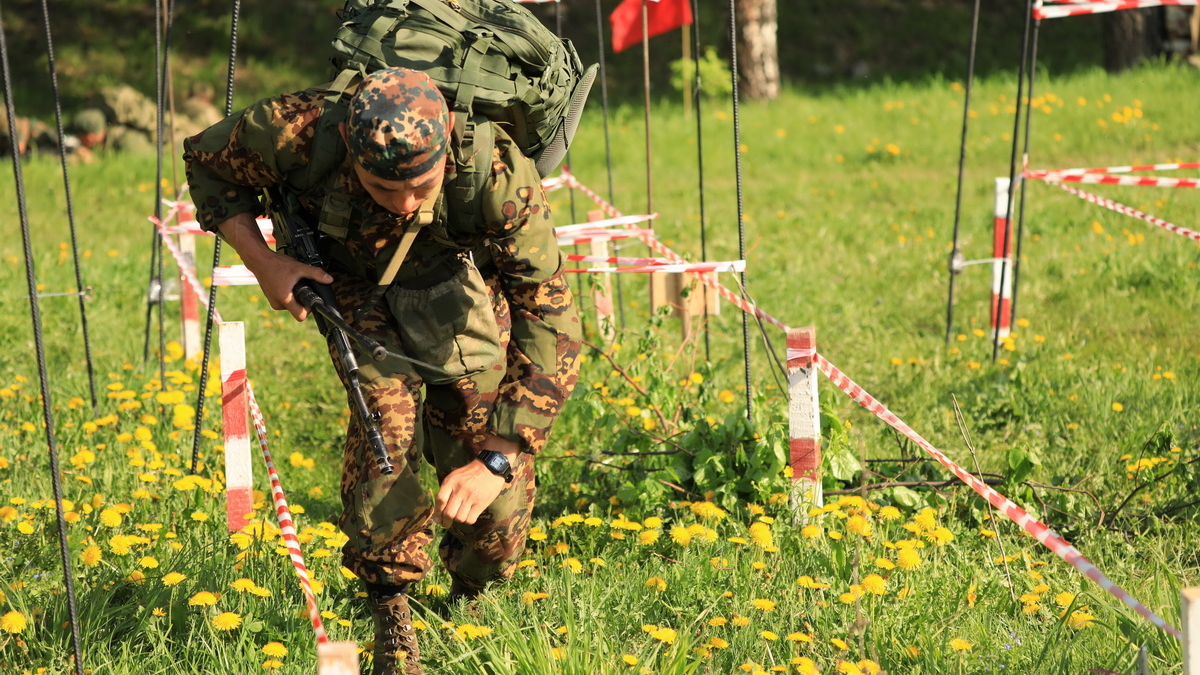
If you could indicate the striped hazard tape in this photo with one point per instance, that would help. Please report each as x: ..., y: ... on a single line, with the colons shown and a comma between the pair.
x: 1080, y: 9
x: 282, y: 512
x: 1116, y: 179
x: 287, y: 524
x: 1169, y: 166
x: 1128, y: 210
x: 693, y: 268
x: 1047, y: 537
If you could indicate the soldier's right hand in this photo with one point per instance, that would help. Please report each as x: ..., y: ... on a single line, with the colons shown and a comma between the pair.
x: 278, y: 275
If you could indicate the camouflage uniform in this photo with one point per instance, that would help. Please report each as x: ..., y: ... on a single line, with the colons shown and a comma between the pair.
x: 485, y: 301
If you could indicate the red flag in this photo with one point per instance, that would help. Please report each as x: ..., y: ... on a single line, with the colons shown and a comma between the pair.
x: 661, y: 16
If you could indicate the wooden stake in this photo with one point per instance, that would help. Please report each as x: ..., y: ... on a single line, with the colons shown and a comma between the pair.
x: 1190, y: 601
x: 804, y: 417
x: 239, y: 495
x: 337, y: 658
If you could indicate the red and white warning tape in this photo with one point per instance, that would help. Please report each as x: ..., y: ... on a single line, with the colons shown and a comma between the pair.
x: 693, y: 268
x: 1170, y: 166
x: 649, y: 239
x: 1080, y: 9
x: 589, y: 236
x: 1115, y: 179
x: 286, y: 524
x: 602, y: 224
x: 1049, y: 538
x: 1128, y: 210
x: 187, y: 270
x: 617, y: 260
x: 282, y: 513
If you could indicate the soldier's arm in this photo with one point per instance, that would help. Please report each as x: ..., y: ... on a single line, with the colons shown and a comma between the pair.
x: 277, y: 273
x: 543, y: 354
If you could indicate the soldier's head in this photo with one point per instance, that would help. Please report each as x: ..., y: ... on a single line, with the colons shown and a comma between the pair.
x: 91, y: 126
x: 397, y: 133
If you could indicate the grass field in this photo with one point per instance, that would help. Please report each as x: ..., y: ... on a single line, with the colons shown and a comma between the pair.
x: 848, y: 204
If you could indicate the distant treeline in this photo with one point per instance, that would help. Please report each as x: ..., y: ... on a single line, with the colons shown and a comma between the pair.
x: 821, y: 42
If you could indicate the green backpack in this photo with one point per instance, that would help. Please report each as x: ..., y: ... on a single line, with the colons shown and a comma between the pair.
x: 492, y: 60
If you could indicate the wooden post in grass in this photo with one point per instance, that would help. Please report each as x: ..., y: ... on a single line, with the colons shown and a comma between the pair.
x: 804, y: 419
x: 234, y: 410
x: 1001, y: 257
x: 667, y: 288
x: 602, y: 291
x: 1190, y: 601
x: 189, y: 302
x: 337, y: 658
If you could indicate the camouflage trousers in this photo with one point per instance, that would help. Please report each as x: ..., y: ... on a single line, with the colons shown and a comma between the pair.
x: 387, y: 518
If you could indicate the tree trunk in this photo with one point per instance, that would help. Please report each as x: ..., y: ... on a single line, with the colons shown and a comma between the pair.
x: 1131, y: 36
x: 758, y: 51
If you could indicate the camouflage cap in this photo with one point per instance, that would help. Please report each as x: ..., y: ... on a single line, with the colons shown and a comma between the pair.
x: 398, y: 124
x: 89, y: 121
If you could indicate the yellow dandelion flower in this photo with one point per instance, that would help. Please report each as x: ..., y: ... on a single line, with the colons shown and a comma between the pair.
x: 664, y: 634
x: 960, y: 645
x: 799, y: 637
x: 646, y: 537
x: 874, y: 584
x: 1080, y: 620
x: 203, y: 599
x: 110, y: 517
x: 681, y: 535
x: 763, y: 604
x: 272, y: 664
x: 760, y: 533
x: 13, y: 622
x: 657, y: 583
x: 717, y: 621
x: 629, y: 659
x: 92, y: 555
x: 840, y: 644
x: 1064, y: 599
x: 173, y: 578
x: 769, y: 636
x: 275, y: 649
x: 908, y: 559
x: 227, y: 621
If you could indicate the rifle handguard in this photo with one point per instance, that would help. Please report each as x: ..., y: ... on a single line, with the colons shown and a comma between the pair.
x: 311, y: 298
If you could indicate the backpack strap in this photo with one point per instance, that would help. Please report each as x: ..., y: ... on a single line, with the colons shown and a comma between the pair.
x: 424, y: 217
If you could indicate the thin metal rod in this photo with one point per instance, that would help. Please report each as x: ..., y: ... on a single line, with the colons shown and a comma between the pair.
x: 608, y: 158
x: 40, y: 349
x: 741, y: 220
x: 216, y: 262
x: 962, y: 162
x: 1012, y: 173
x: 696, y: 93
x: 1012, y: 318
x: 62, y: 155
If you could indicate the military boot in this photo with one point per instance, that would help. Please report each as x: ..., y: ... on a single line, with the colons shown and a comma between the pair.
x: 396, y: 651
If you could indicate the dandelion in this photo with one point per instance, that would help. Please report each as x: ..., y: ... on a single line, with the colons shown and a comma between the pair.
x: 12, y: 622
x: 874, y: 584
x: 810, y: 531
x: 960, y: 645
x: 908, y: 559
x: 657, y: 583
x: 275, y: 649
x: 646, y: 537
x: 840, y: 644
x: 203, y: 599
x: 707, y: 510
x: 799, y: 637
x: 529, y: 597
x: 110, y: 517
x: 741, y: 621
x: 1117, y: 407
x: 173, y: 578
x: 763, y: 604
x: 769, y: 636
x: 1080, y: 620
x: 92, y: 555
x: 227, y: 621
x: 149, y: 562
x: 629, y: 659
x: 681, y: 535
x: 272, y: 664
x: 573, y: 565
x: 664, y: 634
x: 760, y: 533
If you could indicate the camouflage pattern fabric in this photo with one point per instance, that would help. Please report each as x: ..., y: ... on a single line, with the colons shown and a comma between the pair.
x: 127, y: 106
x: 516, y: 397
x: 398, y: 124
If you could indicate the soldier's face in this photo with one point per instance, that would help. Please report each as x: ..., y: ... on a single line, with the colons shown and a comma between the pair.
x: 402, y: 197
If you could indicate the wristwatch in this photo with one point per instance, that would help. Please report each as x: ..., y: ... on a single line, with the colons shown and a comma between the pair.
x: 497, y: 463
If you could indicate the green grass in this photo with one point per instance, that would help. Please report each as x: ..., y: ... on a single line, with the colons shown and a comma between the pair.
x: 841, y: 234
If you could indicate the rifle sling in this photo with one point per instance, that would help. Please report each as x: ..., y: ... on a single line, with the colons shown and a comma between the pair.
x: 424, y: 217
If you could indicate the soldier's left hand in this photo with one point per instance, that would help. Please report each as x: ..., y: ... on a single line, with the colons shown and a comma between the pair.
x: 470, y: 489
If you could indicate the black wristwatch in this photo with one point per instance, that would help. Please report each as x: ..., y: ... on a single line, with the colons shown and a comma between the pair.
x: 497, y: 463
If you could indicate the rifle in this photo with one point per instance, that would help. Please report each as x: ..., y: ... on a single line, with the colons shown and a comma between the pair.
x: 298, y: 241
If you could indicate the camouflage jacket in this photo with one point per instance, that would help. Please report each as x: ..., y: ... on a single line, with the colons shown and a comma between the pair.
x: 272, y: 142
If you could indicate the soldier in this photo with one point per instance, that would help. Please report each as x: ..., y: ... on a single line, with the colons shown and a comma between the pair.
x: 198, y: 106
x: 32, y: 136
x: 482, y: 298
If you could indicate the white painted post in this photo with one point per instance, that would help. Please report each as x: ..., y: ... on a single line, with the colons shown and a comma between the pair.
x: 804, y: 418
x: 1190, y: 601
x: 189, y: 302
x: 1001, y: 314
x: 239, y: 494
x: 337, y: 658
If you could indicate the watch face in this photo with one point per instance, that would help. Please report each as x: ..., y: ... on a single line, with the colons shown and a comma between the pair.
x: 496, y: 462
